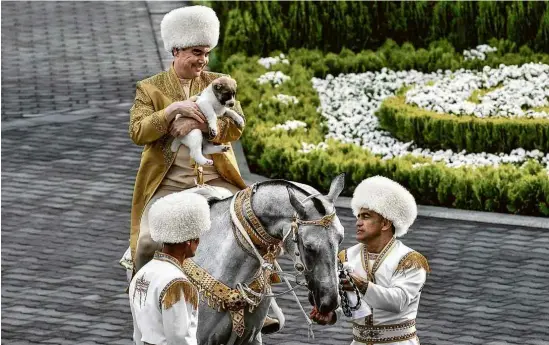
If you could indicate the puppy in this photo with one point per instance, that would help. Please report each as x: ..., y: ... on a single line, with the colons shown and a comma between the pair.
x: 213, y: 102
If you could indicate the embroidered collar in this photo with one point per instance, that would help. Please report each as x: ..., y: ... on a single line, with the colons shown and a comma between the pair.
x: 378, y: 259
x: 168, y: 258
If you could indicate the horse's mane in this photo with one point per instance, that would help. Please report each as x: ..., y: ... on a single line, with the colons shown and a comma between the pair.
x: 281, y: 183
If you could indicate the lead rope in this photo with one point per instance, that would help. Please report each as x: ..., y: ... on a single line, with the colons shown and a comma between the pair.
x: 310, y: 333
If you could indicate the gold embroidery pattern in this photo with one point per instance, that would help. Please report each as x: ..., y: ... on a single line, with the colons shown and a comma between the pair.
x: 168, y: 258
x: 369, y: 334
x: 264, y: 236
x: 142, y: 106
x: 218, y: 295
x: 221, y: 297
x: 169, y: 156
x: 141, y: 288
x: 172, y: 292
x: 377, y: 263
x: 237, y: 317
x: 158, y: 123
x: 413, y: 260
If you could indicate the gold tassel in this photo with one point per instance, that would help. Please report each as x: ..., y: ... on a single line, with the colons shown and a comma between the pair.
x: 413, y: 260
x: 174, y: 292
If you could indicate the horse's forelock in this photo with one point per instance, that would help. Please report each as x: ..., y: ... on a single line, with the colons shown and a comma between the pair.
x: 321, y: 204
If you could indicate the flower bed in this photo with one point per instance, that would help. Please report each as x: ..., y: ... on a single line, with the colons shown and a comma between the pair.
x: 339, y: 141
x: 349, y: 103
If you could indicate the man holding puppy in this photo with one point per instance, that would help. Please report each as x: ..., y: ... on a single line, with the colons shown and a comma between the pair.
x: 189, y: 33
x: 389, y: 275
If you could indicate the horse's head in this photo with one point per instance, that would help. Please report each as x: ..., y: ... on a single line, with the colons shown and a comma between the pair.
x: 316, y: 235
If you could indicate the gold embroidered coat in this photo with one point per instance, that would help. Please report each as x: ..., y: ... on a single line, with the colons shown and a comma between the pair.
x: 149, y: 127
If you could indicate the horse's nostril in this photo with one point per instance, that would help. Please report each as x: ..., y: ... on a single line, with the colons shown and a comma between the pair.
x: 311, y: 299
x: 328, y: 304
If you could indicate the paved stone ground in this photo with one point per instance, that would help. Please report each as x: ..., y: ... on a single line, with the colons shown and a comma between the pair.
x: 62, y: 55
x: 65, y: 209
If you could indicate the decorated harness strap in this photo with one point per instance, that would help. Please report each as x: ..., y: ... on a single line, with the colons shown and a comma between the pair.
x: 221, y: 297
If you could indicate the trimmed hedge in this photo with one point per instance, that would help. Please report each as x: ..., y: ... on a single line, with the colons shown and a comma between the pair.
x: 440, y: 55
x: 262, y: 27
x: 441, y: 131
x: 507, y: 188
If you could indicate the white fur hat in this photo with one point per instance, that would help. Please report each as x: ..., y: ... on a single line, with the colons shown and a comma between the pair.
x: 190, y: 27
x: 387, y: 198
x: 179, y: 217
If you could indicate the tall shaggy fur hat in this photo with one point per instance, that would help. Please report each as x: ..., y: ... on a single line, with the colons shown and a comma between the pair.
x: 179, y: 217
x: 190, y: 27
x: 387, y: 198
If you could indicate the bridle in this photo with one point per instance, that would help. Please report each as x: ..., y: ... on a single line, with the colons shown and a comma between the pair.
x: 256, y: 238
x: 260, y: 240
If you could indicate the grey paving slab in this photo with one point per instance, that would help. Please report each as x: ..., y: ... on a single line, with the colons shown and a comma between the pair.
x: 59, y: 56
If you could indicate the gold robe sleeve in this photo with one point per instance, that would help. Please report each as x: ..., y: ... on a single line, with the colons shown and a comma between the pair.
x: 146, y: 123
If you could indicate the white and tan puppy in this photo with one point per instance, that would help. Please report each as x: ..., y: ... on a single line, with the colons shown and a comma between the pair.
x: 213, y: 102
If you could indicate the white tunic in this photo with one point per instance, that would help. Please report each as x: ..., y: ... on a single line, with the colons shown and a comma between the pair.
x: 152, y: 322
x: 394, y: 297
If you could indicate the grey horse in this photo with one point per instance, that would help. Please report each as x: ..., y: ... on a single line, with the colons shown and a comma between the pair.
x: 274, y: 203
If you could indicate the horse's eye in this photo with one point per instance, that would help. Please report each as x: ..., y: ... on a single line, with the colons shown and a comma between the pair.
x: 309, y: 248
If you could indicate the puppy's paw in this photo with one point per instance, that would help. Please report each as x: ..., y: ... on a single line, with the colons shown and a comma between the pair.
x: 225, y: 148
x: 209, y: 162
x: 239, y: 121
x: 213, y: 132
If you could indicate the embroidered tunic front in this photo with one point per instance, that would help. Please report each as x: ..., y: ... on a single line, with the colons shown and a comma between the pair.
x: 163, y: 304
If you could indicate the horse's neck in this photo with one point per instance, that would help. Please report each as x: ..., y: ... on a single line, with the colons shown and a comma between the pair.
x: 219, y: 252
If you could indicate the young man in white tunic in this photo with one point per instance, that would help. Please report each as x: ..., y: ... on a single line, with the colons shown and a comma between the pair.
x: 388, y: 274
x: 163, y: 301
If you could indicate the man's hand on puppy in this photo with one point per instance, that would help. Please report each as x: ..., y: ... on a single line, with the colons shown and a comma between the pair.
x: 183, y: 125
x: 185, y: 109
x: 185, y: 116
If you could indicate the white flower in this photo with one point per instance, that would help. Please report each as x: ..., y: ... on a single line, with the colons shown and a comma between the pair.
x: 306, y: 148
x: 267, y: 62
x: 478, y: 53
x: 290, y: 125
x: 275, y: 78
x: 286, y: 99
x: 521, y: 87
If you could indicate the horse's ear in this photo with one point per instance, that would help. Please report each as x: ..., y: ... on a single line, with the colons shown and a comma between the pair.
x: 336, y: 187
x: 297, y: 205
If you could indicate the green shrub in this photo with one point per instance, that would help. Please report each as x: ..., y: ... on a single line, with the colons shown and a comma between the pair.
x: 331, y: 26
x: 441, y: 131
x: 275, y: 153
x: 440, y: 55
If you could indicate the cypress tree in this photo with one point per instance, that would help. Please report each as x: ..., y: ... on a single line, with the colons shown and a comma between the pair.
x: 542, y: 36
